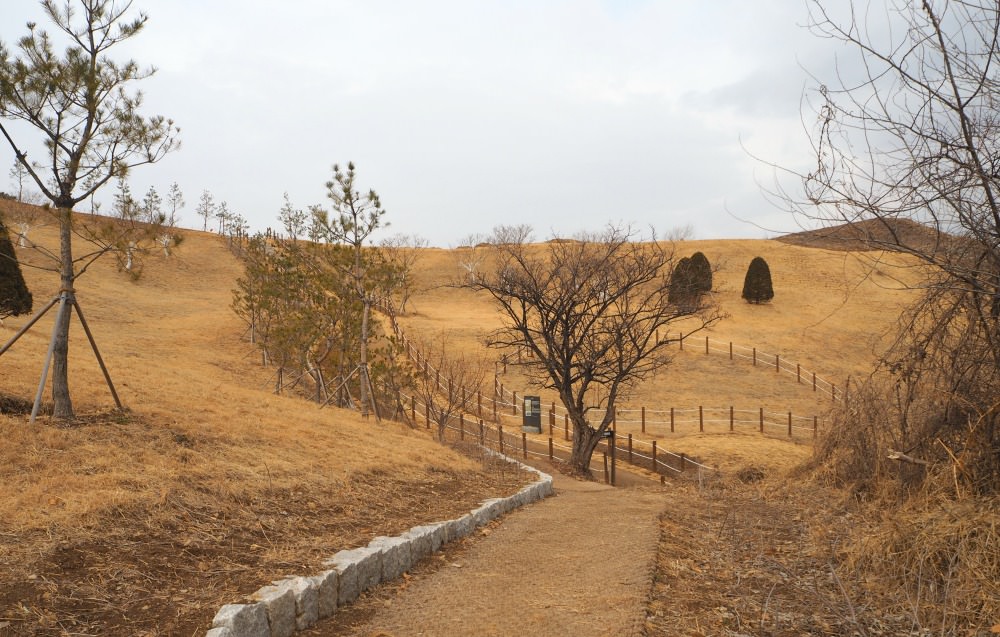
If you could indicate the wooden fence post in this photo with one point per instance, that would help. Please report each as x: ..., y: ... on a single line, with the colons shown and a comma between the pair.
x: 494, y: 409
x: 730, y: 350
x: 524, y: 445
x: 607, y: 477
x: 706, y: 345
x: 514, y: 401
x: 461, y: 426
x: 654, y: 457
x: 798, y: 373
x: 479, y: 404
x: 761, y: 420
x: 732, y: 420
x: 427, y: 415
x: 630, y: 448
x: 500, y: 437
x: 815, y: 426
x: 683, y: 461
x: 755, y: 357
x: 814, y: 381
x: 777, y: 363
x: 789, y: 424
x: 550, y: 448
x: 643, y: 421
x: 681, y: 334
x: 833, y: 392
x: 701, y: 419
x: 671, y: 420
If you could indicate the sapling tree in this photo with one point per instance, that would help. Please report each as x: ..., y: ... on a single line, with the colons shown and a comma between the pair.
x: 351, y: 222
x: 81, y: 104
x: 205, y: 209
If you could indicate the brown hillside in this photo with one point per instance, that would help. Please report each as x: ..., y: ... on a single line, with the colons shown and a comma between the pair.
x: 211, y: 485
x: 870, y: 234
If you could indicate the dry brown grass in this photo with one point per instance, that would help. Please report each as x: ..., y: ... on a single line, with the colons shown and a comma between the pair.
x: 210, y: 485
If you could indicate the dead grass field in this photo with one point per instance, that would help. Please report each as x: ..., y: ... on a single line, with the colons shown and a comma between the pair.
x: 210, y: 485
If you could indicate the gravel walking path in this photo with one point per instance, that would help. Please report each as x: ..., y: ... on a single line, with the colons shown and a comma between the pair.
x: 576, y: 564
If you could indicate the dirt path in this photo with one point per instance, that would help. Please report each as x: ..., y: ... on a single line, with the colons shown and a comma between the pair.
x: 578, y: 564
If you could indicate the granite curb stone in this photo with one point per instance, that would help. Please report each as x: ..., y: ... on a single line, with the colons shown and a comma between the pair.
x: 297, y: 603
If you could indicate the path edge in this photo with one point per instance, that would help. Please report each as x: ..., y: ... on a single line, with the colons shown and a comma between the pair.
x: 286, y: 606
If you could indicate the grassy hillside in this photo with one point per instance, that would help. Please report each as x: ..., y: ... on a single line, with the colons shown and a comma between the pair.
x: 211, y: 485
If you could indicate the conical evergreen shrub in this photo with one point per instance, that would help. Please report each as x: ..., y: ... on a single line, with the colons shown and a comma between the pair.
x: 15, y: 299
x: 682, y: 288
x: 701, y: 271
x: 757, y: 286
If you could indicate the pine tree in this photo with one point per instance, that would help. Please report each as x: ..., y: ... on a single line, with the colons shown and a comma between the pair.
x: 15, y: 299
x: 701, y: 272
x: 757, y: 286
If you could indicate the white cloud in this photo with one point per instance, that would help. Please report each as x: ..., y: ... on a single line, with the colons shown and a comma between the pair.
x: 564, y: 114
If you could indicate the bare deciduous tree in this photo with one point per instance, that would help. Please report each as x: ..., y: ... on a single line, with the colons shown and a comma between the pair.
x: 451, y: 384
x: 907, y: 161
x: 590, y: 310
x: 403, y: 251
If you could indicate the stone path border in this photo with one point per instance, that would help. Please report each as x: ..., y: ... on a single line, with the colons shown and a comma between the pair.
x: 290, y: 605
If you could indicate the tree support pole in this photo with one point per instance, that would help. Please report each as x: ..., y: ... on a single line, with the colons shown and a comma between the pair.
x: 97, y: 354
x: 34, y: 319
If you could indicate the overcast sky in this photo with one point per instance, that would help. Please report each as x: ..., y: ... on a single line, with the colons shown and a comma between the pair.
x: 465, y: 114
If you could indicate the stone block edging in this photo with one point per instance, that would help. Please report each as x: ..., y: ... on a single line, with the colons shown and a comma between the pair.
x: 286, y: 606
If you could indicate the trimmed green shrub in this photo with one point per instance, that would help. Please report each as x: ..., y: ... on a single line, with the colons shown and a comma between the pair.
x: 757, y: 286
x: 701, y: 272
x: 682, y: 289
x: 15, y: 299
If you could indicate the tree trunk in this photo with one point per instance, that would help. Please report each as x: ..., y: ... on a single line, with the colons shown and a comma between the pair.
x: 585, y: 440
x: 62, y: 405
x: 364, y: 358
